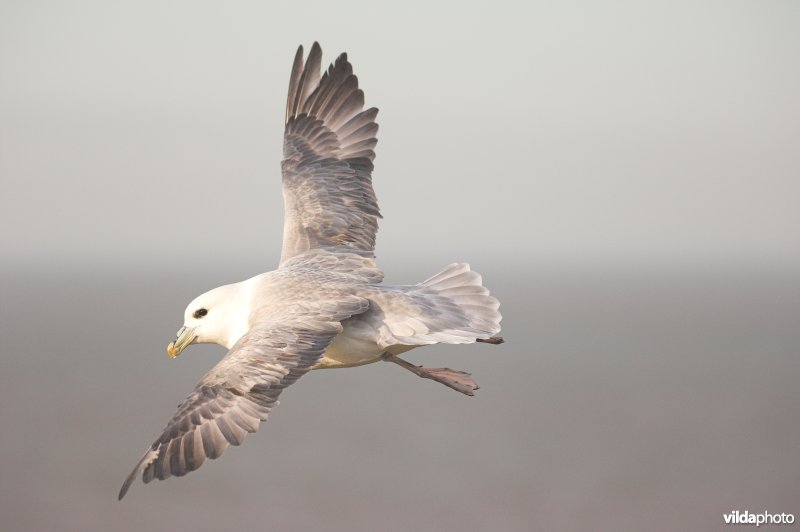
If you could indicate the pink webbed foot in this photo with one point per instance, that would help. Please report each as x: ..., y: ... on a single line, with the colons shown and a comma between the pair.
x: 460, y: 381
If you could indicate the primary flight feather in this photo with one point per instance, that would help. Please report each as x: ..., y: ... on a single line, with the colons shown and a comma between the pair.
x: 324, y: 306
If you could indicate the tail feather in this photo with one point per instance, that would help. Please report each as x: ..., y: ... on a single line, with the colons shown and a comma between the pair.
x: 450, y: 307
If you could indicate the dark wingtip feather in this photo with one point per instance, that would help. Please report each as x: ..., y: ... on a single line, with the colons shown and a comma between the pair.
x: 309, y: 80
x: 127, y: 484
x: 294, y: 79
x: 125, y: 487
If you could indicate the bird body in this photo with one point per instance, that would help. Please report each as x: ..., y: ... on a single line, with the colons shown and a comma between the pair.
x: 325, y: 305
x: 397, y: 318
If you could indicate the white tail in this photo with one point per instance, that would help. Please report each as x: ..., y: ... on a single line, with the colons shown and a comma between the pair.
x: 452, y: 307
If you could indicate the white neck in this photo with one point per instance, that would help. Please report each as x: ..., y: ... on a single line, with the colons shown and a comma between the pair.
x: 239, y: 311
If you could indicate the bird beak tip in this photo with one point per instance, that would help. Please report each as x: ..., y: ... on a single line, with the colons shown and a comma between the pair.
x: 185, y: 337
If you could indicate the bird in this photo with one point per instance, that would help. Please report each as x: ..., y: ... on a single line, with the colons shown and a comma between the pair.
x: 325, y: 305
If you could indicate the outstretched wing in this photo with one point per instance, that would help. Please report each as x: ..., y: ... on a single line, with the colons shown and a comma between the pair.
x: 239, y: 392
x: 327, y: 167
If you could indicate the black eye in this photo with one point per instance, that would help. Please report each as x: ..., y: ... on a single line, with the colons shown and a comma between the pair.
x: 200, y: 313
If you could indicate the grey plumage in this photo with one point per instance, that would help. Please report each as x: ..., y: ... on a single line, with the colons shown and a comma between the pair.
x: 324, y: 306
x: 327, y: 166
x: 239, y: 392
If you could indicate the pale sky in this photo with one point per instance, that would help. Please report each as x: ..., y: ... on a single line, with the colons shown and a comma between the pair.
x: 562, y: 133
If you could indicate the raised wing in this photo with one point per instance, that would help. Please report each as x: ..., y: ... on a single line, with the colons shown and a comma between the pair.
x: 327, y: 167
x: 239, y: 392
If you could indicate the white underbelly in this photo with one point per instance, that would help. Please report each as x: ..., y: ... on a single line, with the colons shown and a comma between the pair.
x: 356, y: 345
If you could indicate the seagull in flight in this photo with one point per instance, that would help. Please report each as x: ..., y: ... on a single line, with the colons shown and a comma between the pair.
x: 325, y: 306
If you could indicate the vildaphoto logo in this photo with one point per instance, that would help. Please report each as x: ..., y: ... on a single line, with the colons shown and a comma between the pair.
x: 764, y: 518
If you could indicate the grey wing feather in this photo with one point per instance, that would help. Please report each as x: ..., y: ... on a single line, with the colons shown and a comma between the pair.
x: 358, y: 266
x: 239, y: 392
x: 327, y: 165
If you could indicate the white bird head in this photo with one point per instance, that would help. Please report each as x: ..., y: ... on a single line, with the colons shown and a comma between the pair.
x: 219, y: 317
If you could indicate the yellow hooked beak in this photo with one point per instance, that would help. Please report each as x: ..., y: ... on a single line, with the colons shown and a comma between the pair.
x: 185, y: 337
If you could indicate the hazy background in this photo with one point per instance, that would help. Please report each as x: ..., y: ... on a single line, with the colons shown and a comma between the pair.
x: 624, y: 175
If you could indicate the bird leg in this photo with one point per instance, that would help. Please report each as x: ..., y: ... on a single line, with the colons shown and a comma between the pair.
x: 494, y: 340
x: 461, y: 381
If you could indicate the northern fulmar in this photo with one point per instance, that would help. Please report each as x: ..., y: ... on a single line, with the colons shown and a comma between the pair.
x: 325, y: 306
